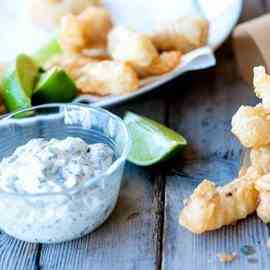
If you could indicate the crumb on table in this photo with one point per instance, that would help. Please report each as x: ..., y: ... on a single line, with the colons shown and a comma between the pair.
x: 227, y: 257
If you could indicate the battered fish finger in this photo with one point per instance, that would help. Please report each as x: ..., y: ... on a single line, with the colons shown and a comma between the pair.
x: 167, y: 62
x: 138, y: 50
x: 251, y: 125
x: 263, y: 187
x: 71, y: 37
x: 70, y: 63
x: 211, y: 207
x: 107, y: 78
x: 260, y: 159
x: 252, y: 173
x: 185, y: 35
x: 96, y: 23
x: 132, y: 47
x: 87, y: 30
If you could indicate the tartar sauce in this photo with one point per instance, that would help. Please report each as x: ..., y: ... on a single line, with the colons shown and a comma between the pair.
x: 50, y: 168
x: 53, y: 165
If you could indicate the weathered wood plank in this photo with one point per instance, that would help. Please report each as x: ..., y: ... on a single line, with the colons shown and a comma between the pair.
x: 129, y: 239
x: 182, y: 250
x: 201, y: 109
x: 17, y: 255
x: 126, y: 241
x: 213, y: 154
x: 204, y: 116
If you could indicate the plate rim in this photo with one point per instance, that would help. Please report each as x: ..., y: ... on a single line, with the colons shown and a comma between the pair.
x: 240, y: 4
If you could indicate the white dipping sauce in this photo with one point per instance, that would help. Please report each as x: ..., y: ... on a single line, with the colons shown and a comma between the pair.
x: 42, y: 166
x: 53, y: 166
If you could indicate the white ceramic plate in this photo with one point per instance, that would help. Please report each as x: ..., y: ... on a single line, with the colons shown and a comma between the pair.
x: 18, y: 35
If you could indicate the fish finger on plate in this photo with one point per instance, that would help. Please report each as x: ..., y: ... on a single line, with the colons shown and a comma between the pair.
x: 132, y: 47
x: 165, y: 63
x: 138, y: 50
x: 97, y: 53
x: 71, y: 63
x: 71, y: 37
x: 185, y: 34
x: 96, y: 23
x: 107, y: 78
x: 87, y: 30
x: 48, y: 13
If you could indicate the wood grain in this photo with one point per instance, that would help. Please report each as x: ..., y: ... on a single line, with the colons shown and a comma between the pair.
x: 204, y: 117
x: 129, y: 240
x: 17, y: 255
x: 143, y: 231
x: 182, y: 250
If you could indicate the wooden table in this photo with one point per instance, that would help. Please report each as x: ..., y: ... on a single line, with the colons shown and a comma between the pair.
x: 143, y: 231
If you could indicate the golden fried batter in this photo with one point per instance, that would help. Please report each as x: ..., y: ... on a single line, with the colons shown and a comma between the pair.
x: 138, y: 50
x: 167, y: 62
x: 96, y: 24
x: 211, y: 207
x: 251, y: 173
x: 107, y: 78
x: 87, y: 30
x: 263, y: 187
x: 71, y: 36
x: 260, y: 159
x: 251, y: 126
x: 132, y: 47
x: 97, y: 77
x: 185, y: 35
x: 70, y: 63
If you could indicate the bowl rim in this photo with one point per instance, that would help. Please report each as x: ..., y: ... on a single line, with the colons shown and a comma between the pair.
x: 91, y: 181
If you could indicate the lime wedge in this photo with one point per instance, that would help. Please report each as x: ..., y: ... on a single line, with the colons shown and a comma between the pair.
x: 18, y: 83
x: 54, y: 86
x: 46, y: 52
x: 27, y: 73
x: 151, y: 141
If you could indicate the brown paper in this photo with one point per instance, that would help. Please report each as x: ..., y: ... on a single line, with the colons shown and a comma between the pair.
x: 252, y: 45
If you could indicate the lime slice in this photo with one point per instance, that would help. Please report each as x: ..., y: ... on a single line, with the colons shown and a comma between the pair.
x: 54, y: 86
x: 45, y: 53
x: 151, y: 141
x: 18, y: 83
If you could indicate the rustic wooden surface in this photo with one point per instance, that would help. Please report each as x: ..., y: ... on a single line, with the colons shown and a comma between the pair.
x: 143, y: 232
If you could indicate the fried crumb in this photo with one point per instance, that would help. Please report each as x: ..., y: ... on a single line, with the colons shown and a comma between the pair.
x: 227, y: 257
